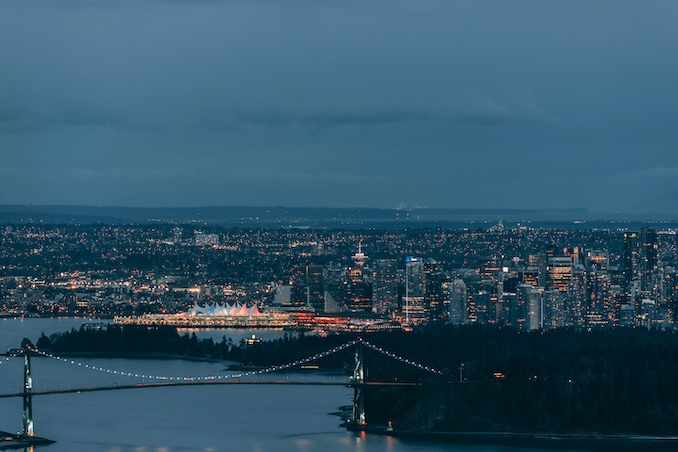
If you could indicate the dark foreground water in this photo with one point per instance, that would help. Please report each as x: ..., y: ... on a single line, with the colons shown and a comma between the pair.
x: 199, y: 418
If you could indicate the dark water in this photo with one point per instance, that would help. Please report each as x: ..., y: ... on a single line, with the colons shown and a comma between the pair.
x: 236, y: 335
x: 11, y: 329
x: 197, y: 418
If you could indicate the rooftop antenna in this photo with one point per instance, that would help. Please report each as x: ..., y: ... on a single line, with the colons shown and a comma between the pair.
x: 360, y: 257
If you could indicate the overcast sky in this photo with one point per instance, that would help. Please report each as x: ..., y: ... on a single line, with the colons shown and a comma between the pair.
x: 343, y: 103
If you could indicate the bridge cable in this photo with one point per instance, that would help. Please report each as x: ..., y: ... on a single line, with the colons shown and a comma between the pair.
x: 200, y: 378
x: 401, y: 359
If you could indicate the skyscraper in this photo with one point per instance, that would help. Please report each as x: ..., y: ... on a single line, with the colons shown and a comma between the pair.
x: 647, y: 257
x: 630, y: 258
x: 483, y: 306
x: 314, y: 287
x: 559, y: 272
x: 554, y: 312
x: 520, y: 312
x: 575, y: 301
x: 385, y: 285
x: 599, y: 306
x: 359, y: 290
x: 413, y: 305
x: 433, y: 288
x: 458, y: 309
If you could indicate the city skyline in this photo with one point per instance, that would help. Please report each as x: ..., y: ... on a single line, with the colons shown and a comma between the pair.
x: 381, y: 104
x: 525, y: 278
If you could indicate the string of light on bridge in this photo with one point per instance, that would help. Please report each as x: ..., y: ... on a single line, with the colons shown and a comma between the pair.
x: 401, y: 359
x: 242, y: 374
x: 200, y: 378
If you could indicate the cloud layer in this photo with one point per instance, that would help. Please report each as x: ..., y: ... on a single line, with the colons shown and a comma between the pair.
x: 378, y: 103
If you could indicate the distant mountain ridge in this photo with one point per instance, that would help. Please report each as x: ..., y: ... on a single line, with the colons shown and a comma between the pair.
x: 272, y: 216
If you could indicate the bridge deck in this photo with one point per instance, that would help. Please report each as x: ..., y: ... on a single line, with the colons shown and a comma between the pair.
x: 206, y: 383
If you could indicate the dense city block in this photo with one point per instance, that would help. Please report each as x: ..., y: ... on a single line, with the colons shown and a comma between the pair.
x: 506, y: 275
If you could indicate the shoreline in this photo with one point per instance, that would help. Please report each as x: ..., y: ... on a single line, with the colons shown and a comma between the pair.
x: 555, y: 441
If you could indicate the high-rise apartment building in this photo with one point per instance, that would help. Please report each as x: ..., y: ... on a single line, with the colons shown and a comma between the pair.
x: 434, y: 298
x: 631, y: 257
x: 559, y: 273
x: 482, y: 301
x: 648, y: 258
x: 413, y: 302
x: 520, y: 311
x: 458, y: 297
x: 359, y: 289
x: 554, y: 312
x: 641, y: 263
x: 385, y: 285
x: 315, y: 287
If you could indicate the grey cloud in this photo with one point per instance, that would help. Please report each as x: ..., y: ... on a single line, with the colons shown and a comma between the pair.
x: 481, y: 110
x: 8, y: 115
x: 437, y: 103
x: 489, y: 111
x: 330, y: 119
x: 18, y: 124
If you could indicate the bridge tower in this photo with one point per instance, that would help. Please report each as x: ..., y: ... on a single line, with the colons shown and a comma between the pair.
x: 358, y: 388
x: 28, y: 396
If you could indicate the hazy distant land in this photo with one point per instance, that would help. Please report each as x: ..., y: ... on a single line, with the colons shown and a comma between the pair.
x: 247, y: 216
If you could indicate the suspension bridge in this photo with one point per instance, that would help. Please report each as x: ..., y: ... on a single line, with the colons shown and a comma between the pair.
x: 372, y: 366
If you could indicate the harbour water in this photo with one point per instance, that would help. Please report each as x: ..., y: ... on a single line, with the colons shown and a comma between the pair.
x: 197, y: 418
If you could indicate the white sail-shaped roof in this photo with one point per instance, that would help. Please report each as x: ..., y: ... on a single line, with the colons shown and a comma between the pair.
x: 220, y: 310
x: 243, y: 310
x: 215, y: 308
x: 197, y: 309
